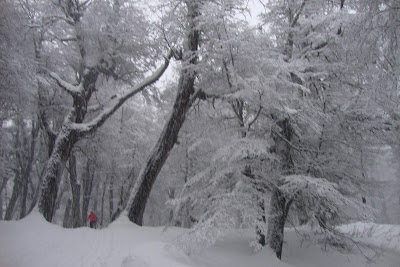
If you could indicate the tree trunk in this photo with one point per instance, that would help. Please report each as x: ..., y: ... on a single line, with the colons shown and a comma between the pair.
x: 66, y: 139
x: 261, y: 220
x: 111, y: 195
x: 3, y: 185
x: 17, y: 187
x: 276, y: 221
x: 169, y: 135
x: 96, y: 199
x: 102, y: 203
x: 87, y: 183
x: 1, y: 207
x: 67, y: 215
x: 76, y: 193
x: 36, y: 193
x: 24, y: 196
x: 14, y: 197
x: 279, y: 206
x: 27, y: 166
x: 64, y: 188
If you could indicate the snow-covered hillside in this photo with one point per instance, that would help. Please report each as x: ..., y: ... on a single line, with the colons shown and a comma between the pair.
x: 34, y: 242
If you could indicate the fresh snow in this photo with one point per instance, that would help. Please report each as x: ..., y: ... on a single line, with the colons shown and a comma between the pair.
x: 35, y: 242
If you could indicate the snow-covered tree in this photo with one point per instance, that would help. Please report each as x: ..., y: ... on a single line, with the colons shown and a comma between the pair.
x: 96, y: 48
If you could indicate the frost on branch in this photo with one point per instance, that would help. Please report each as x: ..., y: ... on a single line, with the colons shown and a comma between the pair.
x: 205, y: 234
x: 241, y: 149
x: 323, y: 200
x: 222, y: 197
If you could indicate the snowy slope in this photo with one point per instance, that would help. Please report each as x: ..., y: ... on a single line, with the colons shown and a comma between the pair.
x: 34, y: 242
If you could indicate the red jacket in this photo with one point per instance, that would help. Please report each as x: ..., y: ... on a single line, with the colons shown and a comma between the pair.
x: 92, y: 217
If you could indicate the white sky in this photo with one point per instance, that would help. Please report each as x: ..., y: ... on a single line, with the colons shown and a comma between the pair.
x: 255, y: 9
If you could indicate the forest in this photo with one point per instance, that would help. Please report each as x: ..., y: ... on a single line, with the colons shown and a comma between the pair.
x: 212, y: 116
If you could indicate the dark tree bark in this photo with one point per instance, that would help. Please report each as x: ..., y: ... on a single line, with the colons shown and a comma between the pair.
x: 14, y: 197
x: 262, y: 219
x: 111, y: 194
x: 102, y: 204
x: 279, y: 208
x: 87, y: 184
x: 24, y: 196
x: 17, y: 187
x: 279, y: 205
x: 169, y: 135
x: 76, y: 193
x: 27, y: 165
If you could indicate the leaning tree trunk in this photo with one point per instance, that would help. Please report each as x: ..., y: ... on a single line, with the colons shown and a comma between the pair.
x: 66, y: 139
x: 169, y: 135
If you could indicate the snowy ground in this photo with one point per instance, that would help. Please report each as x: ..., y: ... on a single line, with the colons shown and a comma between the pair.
x: 34, y: 242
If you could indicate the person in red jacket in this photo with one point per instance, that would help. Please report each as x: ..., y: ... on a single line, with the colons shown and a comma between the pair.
x: 92, y: 220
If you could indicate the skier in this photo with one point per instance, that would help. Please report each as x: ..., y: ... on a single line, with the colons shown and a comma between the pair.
x: 92, y: 220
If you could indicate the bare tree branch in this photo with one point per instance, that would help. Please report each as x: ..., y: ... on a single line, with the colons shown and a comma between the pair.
x: 256, y: 117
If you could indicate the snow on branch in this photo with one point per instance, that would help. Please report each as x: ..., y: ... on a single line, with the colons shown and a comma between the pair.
x: 86, y: 128
x: 50, y: 20
x: 324, y: 197
x: 240, y: 149
x: 298, y: 13
x: 69, y: 88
